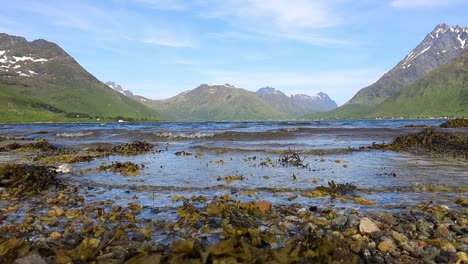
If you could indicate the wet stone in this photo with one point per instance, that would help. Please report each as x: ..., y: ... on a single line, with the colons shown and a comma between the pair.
x: 399, y: 238
x: 367, y: 226
x: 32, y: 259
x: 386, y: 245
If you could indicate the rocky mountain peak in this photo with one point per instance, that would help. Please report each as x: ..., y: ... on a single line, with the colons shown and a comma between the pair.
x: 443, y: 43
x: 118, y: 88
x: 439, y: 47
x: 269, y: 91
x: 21, y: 58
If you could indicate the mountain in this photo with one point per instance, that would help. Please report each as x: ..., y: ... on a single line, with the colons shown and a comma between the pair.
x: 216, y: 102
x: 224, y: 102
x: 438, y: 48
x: 296, y: 105
x: 442, y: 92
x: 39, y: 81
x: 118, y: 88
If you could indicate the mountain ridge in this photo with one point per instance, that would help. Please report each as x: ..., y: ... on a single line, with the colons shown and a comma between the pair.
x: 39, y: 81
x: 439, y: 47
x: 221, y: 101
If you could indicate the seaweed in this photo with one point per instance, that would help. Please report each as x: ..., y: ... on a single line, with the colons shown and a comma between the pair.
x: 134, y: 148
x: 40, y: 145
x: 292, y: 159
x: 125, y: 168
x: 455, y: 123
x: 127, y: 149
x: 23, y: 179
x: 231, y: 178
x: 430, y: 141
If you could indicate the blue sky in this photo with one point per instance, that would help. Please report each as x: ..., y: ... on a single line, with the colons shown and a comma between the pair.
x: 159, y: 48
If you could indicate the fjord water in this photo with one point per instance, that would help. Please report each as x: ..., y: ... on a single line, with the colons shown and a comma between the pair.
x: 250, y: 149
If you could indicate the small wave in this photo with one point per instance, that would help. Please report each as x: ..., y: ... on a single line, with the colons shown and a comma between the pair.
x: 171, y: 135
x: 75, y: 134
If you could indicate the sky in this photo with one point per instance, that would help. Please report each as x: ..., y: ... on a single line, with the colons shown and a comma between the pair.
x: 159, y: 48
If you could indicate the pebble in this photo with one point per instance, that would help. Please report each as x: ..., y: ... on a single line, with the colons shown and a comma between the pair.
x: 442, y: 232
x: 55, y: 235
x: 386, y: 245
x: 64, y: 168
x: 31, y: 259
x: 447, y: 246
x: 399, y: 238
x: 366, y: 226
x: 462, y: 257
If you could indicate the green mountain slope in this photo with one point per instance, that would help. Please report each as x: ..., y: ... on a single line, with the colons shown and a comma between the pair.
x: 41, y: 82
x: 216, y: 102
x: 443, y: 92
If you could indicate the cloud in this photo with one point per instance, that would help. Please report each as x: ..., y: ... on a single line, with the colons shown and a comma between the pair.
x: 163, y: 4
x: 423, y: 3
x: 168, y: 41
x: 281, y: 14
x: 297, y: 20
x: 72, y: 15
x: 107, y: 22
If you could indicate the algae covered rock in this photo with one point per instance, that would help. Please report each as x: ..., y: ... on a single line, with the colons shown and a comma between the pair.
x: 455, y: 123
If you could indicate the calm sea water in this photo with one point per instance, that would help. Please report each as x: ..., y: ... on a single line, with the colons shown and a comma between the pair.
x: 220, y: 149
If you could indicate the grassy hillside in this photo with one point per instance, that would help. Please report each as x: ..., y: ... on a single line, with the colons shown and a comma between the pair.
x: 40, y: 82
x: 443, y: 92
x: 216, y: 102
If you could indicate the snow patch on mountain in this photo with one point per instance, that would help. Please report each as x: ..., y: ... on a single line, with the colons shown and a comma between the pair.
x: 441, y: 40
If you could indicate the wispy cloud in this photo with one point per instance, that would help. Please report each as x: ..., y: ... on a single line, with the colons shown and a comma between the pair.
x: 165, y: 35
x: 163, y: 4
x: 298, y: 20
x: 424, y: 3
x: 110, y: 23
x: 281, y: 14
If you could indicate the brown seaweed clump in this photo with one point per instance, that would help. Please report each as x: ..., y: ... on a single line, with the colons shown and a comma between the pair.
x: 40, y: 145
x: 340, y: 188
x: 430, y: 141
x: 455, y: 123
x: 23, y: 179
x: 134, y: 148
x: 127, y: 149
x: 292, y: 159
x: 125, y: 168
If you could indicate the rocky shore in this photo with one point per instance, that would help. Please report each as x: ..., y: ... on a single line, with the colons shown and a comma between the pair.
x: 46, y: 219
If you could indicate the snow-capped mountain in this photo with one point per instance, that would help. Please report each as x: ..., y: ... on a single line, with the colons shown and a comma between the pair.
x: 298, y: 103
x: 438, y: 47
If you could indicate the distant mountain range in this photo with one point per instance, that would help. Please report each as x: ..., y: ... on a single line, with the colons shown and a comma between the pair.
x: 224, y: 102
x: 39, y: 81
x: 438, y: 48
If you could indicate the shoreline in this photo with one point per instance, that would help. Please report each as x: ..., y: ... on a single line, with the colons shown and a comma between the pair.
x: 71, y: 222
